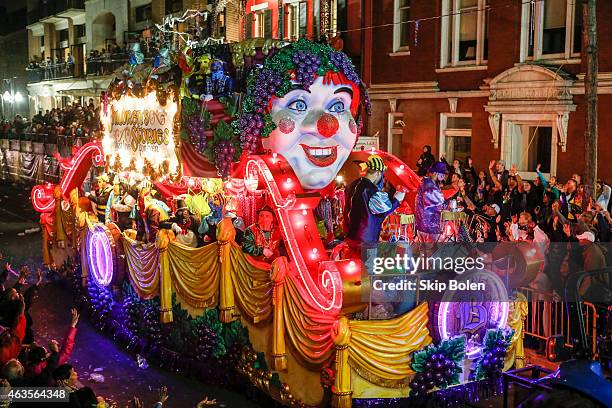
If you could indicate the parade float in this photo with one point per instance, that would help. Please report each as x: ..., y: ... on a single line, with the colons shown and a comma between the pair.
x: 233, y: 129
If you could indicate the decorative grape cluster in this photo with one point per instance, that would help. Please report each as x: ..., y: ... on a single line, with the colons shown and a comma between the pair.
x: 206, y: 339
x: 345, y: 65
x: 101, y: 303
x: 151, y: 322
x: 251, y: 125
x: 196, y: 129
x: 224, y: 156
x: 131, y: 312
x: 493, y: 360
x: 438, y: 372
x: 306, y: 66
x: 268, y: 81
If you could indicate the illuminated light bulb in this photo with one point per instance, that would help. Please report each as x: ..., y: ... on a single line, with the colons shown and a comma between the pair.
x: 401, y: 167
x: 191, y: 183
x: 274, y: 155
x: 314, y: 251
x: 339, y: 179
x: 304, y: 212
x: 289, y: 181
x: 352, y: 264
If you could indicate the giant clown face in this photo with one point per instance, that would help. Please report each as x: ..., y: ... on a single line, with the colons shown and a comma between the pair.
x: 315, y: 130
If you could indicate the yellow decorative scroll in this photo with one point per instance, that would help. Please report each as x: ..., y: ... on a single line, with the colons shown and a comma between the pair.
x: 143, y: 267
x: 379, y: 350
x: 515, y: 355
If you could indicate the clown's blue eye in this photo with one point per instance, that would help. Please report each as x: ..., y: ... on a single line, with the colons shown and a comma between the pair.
x: 337, y: 107
x: 298, y: 105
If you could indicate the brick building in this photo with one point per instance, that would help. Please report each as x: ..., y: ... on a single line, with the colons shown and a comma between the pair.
x: 293, y: 19
x: 487, y: 78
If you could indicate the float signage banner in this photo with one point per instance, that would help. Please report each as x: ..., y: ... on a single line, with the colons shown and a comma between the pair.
x: 138, y: 129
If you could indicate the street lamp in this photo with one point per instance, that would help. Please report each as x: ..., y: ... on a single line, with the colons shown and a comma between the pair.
x: 11, y: 97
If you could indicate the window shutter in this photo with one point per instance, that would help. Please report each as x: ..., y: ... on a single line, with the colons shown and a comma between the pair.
x: 303, y: 19
x: 268, y: 24
x: 282, y: 14
x: 248, y: 26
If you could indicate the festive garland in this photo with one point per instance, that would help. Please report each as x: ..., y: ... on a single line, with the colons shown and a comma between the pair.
x: 491, y: 362
x: 301, y: 61
x: 437, y: 365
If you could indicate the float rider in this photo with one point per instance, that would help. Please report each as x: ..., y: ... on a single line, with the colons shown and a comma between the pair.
x: 367, y: 205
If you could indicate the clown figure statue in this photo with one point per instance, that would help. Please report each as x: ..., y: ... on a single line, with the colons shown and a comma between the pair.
x: 262, y: 240
x: 305, y: 104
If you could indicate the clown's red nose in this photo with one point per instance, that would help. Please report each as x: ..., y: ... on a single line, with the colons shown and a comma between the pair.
x: 327, y: 125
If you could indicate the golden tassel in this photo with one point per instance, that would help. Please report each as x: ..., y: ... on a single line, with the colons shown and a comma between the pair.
x: 342, y: 392
x: 165, y: 284
x: 279, y: 351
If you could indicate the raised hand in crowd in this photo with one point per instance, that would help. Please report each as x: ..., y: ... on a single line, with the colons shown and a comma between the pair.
x: 75, y: 317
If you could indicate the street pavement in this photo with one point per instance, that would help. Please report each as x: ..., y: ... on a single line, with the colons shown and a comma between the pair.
x: 94, y: 353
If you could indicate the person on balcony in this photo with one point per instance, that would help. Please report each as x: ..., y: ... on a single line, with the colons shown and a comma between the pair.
x: 263, y: 239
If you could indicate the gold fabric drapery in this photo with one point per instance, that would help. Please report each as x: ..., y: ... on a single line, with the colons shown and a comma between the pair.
x: 252, y: 285
x: 308, y: 328
x: 194, y: 273
x: 143, y: 267
x: 515, y: 355
x: 379, y: 350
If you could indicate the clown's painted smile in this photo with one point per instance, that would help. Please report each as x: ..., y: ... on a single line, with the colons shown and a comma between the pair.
x: 315, y: 131
x: 321, y: 157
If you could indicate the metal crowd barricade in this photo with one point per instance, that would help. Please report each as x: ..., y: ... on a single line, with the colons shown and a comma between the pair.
x: 548, y: 317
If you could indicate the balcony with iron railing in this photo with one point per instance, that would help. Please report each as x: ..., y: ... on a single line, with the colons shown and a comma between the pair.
x: 96, y: 66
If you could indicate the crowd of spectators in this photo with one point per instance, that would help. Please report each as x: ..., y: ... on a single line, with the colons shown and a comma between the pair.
x: 106, y: 60
x: 99, y: 62
x: 502, y: 206
x: 72, y: 121
x: 26, y: 362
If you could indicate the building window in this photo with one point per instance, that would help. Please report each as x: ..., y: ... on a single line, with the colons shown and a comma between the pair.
x: 63, y: 35
x: 456, y: 136
x: 293, y: 21
x: 401, y: 25
x: 260, y: 21
x: 79, y: 30
x: 297, y: 20
x: 464, y: 32
x: 551, y: 29
x: 173, y: 6
x: 143, y: 13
